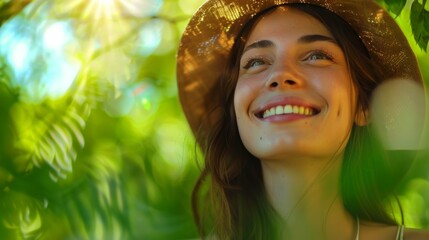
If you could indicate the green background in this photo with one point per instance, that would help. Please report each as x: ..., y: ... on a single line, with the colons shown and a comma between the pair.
x: 93, y: 143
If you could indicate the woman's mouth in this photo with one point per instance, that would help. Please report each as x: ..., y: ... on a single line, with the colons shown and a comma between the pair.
x: 287, y: 109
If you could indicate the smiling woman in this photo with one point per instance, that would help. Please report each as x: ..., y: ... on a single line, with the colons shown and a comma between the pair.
x: 301, y: 68
x: 279, y: 103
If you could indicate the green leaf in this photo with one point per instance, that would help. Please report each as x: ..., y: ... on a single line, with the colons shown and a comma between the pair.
x: 395, y: 6
x: 49, y: 133
x: 419, y: 19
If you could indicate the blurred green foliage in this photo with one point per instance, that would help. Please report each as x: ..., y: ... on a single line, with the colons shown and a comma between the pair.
x: 93, y: 143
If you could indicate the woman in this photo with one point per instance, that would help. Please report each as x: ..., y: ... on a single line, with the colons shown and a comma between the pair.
x: 277, y: 94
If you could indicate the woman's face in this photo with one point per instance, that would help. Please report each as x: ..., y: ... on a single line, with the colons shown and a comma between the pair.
x: 294, y: 95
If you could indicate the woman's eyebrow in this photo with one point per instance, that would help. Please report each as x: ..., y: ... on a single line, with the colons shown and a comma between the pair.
x: 303, y: 39
x: 315, y: 38
x: 259, y: 44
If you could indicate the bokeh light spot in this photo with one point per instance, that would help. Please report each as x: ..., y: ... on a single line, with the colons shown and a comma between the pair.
x: 168, y: 39
x: 146, y: 104
x: 398, y: 115
x: 150, y: 36
x: 157, y: 37
x: 141, y: 8
x: 56, y: 36
x: 120, y: 105
x: 59, y: 79
x: 18, y: 55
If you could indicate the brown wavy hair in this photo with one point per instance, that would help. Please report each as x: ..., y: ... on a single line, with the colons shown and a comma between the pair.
x: 229, y: 199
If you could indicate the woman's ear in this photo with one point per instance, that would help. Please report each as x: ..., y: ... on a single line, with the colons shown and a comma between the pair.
x: 362, y: 117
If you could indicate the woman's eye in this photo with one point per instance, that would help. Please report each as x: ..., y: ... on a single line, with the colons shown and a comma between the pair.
x: 254, y: 63
x: 319, y: 56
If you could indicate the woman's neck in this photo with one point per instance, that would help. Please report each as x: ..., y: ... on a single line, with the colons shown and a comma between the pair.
x: 306, y: 197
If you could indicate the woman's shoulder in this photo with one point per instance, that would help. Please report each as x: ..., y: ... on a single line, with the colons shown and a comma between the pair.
x: 416, y: 234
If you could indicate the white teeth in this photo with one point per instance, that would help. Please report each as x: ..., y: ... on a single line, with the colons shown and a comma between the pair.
x: 295, y: 109
x: 288, y: 109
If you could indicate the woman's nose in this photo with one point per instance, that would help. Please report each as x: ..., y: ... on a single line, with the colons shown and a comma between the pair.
x: 285, y: 78
x: 286, y: 83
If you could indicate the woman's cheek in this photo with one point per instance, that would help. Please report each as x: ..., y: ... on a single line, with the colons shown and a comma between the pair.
x: 243, y: 96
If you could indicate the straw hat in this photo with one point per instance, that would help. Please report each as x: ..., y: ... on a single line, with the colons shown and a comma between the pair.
x: 207, y: 41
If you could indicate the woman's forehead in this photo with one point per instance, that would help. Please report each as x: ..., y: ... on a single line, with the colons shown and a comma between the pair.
x: 286, y: 22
